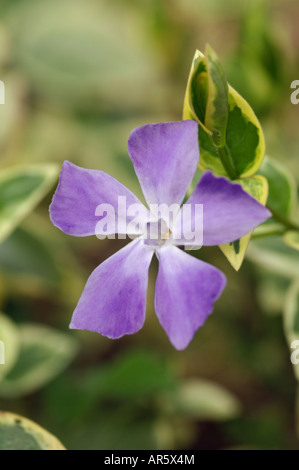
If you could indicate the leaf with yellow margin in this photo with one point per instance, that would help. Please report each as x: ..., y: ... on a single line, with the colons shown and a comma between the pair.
x: 19, y: 433
x: 235, y: 251
x: 238, y: 135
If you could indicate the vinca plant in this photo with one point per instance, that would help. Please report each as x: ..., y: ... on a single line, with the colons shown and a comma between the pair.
x: 221, y: 135
x: 149, y: 227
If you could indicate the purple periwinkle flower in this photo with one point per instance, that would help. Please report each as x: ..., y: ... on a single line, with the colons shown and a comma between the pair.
x: 165, y: 157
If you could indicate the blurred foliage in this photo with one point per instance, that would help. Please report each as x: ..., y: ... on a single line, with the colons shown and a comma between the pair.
x: 257, y: 59
x: 36, y: 354
x: 138, y: 391
x: 291, y: 238
x: 79, y: 76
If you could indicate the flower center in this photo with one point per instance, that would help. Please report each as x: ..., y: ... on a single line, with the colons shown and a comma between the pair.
x: 156, y: 233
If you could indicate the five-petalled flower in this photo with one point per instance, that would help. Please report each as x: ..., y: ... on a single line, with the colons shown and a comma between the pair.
x: 165, y: 157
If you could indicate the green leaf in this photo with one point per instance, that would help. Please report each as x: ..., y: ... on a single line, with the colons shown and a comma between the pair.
x: 204, y: 400
x: 238, y: 146
x: 21, y: 189
x: 9, y: 335
x: 216, y: 112
x: 244, y: 136
x: 282, y: 187
x: 44, y: 354
x: 196, y: 94
x: 206, y: 98
x: 19, y: 433
x: 291, y: 324
x: 235, y: 251
x: 291, y: 238
x: 209, y: 157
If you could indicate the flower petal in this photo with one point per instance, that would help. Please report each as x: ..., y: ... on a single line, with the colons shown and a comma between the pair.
x: 229, y: 212
x: 165, y: 157
x: 80, y: 192
x: 186, y: 290
x: 113, y: 302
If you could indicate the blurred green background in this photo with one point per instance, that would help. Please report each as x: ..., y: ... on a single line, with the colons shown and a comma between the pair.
x: 79, y: 76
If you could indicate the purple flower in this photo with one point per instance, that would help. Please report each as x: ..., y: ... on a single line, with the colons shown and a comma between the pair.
x: 165, y: 157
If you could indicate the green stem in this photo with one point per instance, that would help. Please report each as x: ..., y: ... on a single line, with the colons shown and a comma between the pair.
x: 289, y: 224
x: 271, y: 233
x: 227, y: 161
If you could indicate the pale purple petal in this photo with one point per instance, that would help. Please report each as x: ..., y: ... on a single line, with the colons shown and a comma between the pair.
x: 229, y: 212
x: 165, y: 157
x: 80, y: 192
x: 113, y: 302
x: 186, y: 290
